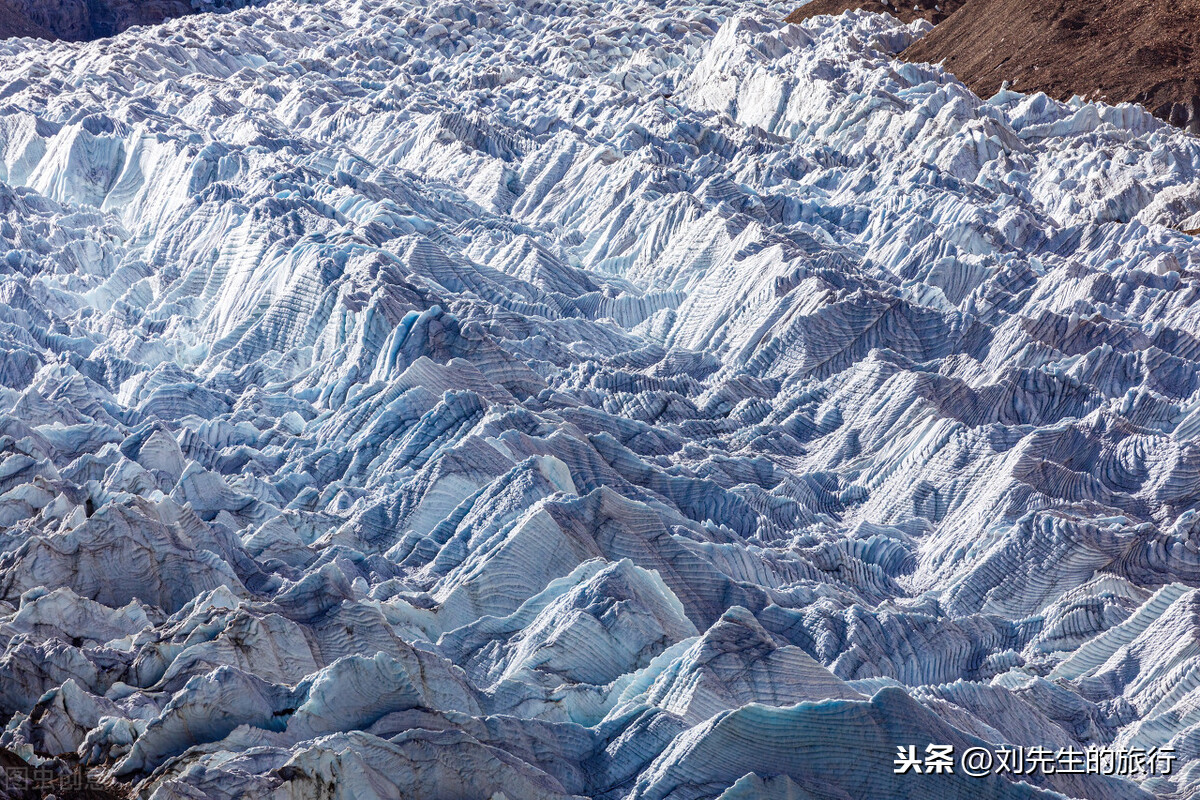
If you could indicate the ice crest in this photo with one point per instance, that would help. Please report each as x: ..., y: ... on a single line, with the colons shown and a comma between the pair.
x: 609, y: 400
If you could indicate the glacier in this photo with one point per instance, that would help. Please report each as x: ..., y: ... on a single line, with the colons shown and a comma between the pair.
x: 620, y: 400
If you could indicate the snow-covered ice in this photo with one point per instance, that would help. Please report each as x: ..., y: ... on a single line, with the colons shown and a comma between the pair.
x: 609, y: 400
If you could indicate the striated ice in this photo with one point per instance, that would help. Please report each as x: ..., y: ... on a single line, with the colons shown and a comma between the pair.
x: 609, y: 400
x: 736, y: 662
x: 794, y: 742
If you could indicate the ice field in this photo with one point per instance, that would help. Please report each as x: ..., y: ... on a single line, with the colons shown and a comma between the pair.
x: 624, y: 400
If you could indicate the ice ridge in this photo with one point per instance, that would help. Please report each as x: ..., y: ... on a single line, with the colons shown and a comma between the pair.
x: 587, y: 399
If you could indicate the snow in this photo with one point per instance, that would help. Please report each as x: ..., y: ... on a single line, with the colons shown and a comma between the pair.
x: 612, y: 400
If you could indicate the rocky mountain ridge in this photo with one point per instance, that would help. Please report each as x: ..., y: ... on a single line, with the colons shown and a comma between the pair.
x: 1138, y: 51
x: 84, y: 20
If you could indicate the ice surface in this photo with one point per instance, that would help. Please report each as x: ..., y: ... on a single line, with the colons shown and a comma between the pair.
x: 608, y: 400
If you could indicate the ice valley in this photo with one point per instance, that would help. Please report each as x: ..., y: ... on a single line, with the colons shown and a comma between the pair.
x: 587, y: 399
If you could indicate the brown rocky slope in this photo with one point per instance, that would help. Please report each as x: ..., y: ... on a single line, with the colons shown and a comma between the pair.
x: 906, y: 10
x: 1143, y: 51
